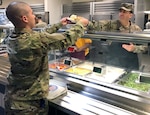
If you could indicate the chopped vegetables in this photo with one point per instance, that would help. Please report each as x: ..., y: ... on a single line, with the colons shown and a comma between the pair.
x: 130, y: 82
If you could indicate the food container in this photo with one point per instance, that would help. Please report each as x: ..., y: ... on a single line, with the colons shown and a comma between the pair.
x: 131, y: 80
x: 64, y: 63
x: 57, y: 65
x: 78, y: 71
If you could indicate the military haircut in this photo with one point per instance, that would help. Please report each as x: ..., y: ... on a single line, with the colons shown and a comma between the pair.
x: 15, y: 10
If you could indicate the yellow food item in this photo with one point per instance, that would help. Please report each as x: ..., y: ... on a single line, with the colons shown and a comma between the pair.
x: 82, y: 42
x: 74, y: 18
x: 78, y: 71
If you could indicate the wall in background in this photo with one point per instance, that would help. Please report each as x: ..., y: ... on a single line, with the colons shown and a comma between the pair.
x: 6, y: 2
x: 147, y: 5
x: 52, y: 6
x: 55, y: 9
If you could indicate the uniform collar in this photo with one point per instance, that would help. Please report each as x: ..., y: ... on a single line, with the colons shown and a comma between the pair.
x: 125, y: 29
x: 22, y: 30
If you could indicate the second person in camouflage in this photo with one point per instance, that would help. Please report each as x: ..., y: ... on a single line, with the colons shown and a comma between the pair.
x: 119, y: 54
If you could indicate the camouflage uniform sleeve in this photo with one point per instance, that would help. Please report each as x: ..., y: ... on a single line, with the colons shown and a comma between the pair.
x: 140, y: 48
x: 62, y: 40
x: 53, y: 28
x: 102, y: 25
x: 136, y: 28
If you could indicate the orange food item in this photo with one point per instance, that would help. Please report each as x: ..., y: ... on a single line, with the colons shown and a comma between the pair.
x: 53, y: 66
x: 59, y: 66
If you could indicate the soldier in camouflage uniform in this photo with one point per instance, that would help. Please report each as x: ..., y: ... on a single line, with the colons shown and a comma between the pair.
x: 28, y: 54
x: 122, y: 55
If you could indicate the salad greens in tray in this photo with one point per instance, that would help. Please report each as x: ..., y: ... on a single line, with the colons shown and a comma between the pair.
x: 132, y: 81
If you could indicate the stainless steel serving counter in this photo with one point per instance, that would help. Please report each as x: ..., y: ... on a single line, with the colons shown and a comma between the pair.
x: 76, y: 104
x: 136, y: 37
x: 105, y: 91
x: 84, y: 70
x: 111, y: 94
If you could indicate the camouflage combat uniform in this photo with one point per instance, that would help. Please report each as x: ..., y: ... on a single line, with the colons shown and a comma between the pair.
x: 41, y: 24
x: 29, y: 76
x: 116, y: 55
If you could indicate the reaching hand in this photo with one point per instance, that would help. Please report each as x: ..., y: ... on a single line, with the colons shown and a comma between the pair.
x: 75, y: 19
x: 64, y: 21
x: 129, y: 48
x: 83, y: 20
